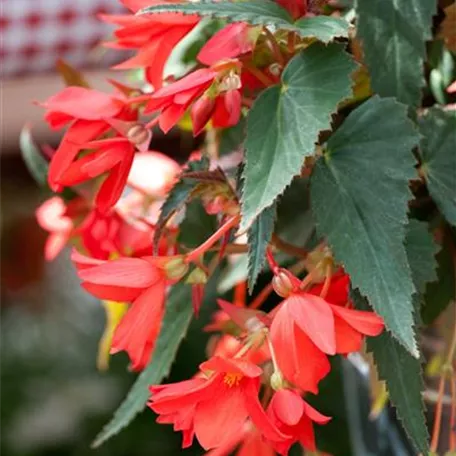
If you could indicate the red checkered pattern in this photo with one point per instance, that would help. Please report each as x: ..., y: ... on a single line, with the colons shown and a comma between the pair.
x: 35, y: 33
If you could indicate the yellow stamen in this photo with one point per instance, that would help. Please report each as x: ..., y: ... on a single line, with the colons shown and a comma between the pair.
x: 232, y: 379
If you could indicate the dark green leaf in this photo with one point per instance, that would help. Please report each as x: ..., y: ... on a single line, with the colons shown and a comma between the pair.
x: 253, y: 11
x: 394, y: 34
x: 34, y: 160
x: 284, y: 123
x: 231, y: 139
x: 359, y: 194
x: 324, y: 28
x: 175, y: 325
x: 179, y: 196
x: 197, y: 225
x: 421, y: 250
x: 259, y: 235
x: 404, y: 380
x: 259, y: 12
x: 439, y: 160
x: 439, y: 294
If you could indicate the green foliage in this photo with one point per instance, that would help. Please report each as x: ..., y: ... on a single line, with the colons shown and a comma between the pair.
x: 231, y: 139
x: 174, y: 327
x: 439, y: 294
x: 394, y: 35
x: 284, y: 123
x: 404, y: 380
x: 421, y: 250
x: 260, y: 12
x: 259, y: 235
x: 359, y: 193
x: 34, y: 160
x: 439, y: 160
x: 179, y: 196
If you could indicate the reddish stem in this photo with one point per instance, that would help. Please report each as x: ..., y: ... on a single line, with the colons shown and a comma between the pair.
x: 206, y: 245
x: 261, y: 297
x: 452, y: 443
x: 275, y: 268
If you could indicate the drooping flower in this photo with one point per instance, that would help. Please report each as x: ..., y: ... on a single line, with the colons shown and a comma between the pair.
x: 305, y: 323
x: 213, y: 92
x: 294, y: 417
x: 91, y: 114
x: 141, y: 281
x: 214, y: 407
x: 152, y: 36
x: 228, y: 43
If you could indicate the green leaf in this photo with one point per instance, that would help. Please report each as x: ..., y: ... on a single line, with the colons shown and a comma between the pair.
x: 259, y: 12
x: 394, y: 34
x: 404, y: 380
x: 262, y: 12
x: 174, y: 327
x: 439, y: 294
x: 285, y: 120
x: 421, y: 250
x: 179, y: 196
x: 34, y: 160
x: 359, y: 195
x: 439, y: 160
x: 324, y: 28
x: 258, y: 237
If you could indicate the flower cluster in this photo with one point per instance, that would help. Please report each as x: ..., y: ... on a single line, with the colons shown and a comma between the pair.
x: 249, y: 394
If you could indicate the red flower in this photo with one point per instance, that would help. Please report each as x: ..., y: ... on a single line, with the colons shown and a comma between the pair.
x: 215, y: 408
x: 92, y: 114
x: 230, y: 42
x: 296, y: 8
x: 308, y: 324
x: 294, y: 417
x: 138, y: 280
x: 221, y: 99
x: 153, y: 36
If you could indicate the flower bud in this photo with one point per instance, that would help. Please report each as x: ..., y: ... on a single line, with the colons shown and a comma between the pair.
x: 197, y: 277
x: 230, y: 82
x: 282, y: 284
x: 201, y: 112
x: 138, y: 134
x: 277, y: 381
x: 176, y: 268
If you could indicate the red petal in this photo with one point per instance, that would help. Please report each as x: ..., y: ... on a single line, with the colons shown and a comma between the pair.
x: 139, y: 328
x: 314, y: 316
x: 55, y: 244
x: 217, y: 418
x: 82, y: 103
x: 288, y: 406
x: 348, y: 339
x: 306, y: 434
x: 315, y: 415
x: 290, y: 342
x: 228, y: 43
x: 258, y: 415
x: 338, y: 290
x: 111, y: 292
x: 224, y: 365
x: 124, y: 272
x: 82, y: 261
x: 367, y: 323
x: 112, y: 188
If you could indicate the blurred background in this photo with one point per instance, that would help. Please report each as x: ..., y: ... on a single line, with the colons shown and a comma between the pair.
x: 53, y: 399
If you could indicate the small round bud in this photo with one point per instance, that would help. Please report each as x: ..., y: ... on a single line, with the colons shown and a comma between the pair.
x: 282, y: 284
x: 277, y: 381
x: 197, y: 277
x: 138, y: 134
x: 275, y: 69
x: 176, y: 269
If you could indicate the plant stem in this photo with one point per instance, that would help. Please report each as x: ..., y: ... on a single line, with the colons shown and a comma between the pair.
x: 275, y: 48
x: 284, y: 246
x: 206, y: 245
